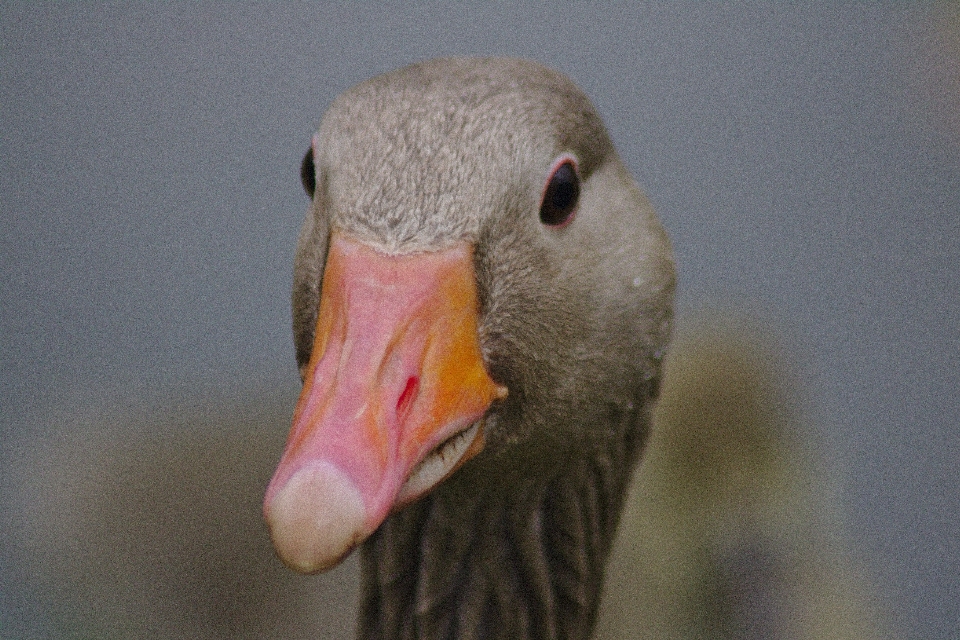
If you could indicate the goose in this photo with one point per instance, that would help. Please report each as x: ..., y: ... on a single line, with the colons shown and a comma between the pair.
x: 482, y: 299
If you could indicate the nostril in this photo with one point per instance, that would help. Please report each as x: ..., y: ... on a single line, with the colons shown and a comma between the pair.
x: 406, y: 398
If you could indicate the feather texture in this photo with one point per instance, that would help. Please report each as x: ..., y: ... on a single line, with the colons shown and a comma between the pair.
x: 572, y: 320
x: 520, y: 565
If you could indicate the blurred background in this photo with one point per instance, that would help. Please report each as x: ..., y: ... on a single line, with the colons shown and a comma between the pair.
x: 804, y: 159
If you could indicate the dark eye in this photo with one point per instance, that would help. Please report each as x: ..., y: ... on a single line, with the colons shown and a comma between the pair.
x: 560, y: 195
x: 308, y: 174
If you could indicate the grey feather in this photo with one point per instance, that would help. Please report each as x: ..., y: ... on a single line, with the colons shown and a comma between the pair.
x: 574, y: 321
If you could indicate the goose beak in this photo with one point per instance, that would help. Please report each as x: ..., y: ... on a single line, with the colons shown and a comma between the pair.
x: 393, y: 400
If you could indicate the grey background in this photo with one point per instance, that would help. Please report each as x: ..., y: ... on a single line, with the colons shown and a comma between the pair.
x: 805, y: 160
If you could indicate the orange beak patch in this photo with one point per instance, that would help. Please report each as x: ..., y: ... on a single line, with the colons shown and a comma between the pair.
x: 392, y: 403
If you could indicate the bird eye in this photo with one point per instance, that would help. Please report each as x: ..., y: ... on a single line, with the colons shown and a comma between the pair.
x: 561, y: 194
x: 308, y: 173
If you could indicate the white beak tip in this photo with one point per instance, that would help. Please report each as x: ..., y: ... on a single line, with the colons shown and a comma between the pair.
x: 316, y: 519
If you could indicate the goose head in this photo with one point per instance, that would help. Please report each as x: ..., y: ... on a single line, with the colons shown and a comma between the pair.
x: 481, y: 294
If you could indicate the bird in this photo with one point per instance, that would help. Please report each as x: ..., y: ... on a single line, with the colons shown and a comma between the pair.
x: 482, y: 301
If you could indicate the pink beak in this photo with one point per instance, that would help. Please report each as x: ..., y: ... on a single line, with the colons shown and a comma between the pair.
x: 395, y: 375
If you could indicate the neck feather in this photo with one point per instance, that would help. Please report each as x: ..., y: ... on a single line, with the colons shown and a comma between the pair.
x: 523, y: 566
